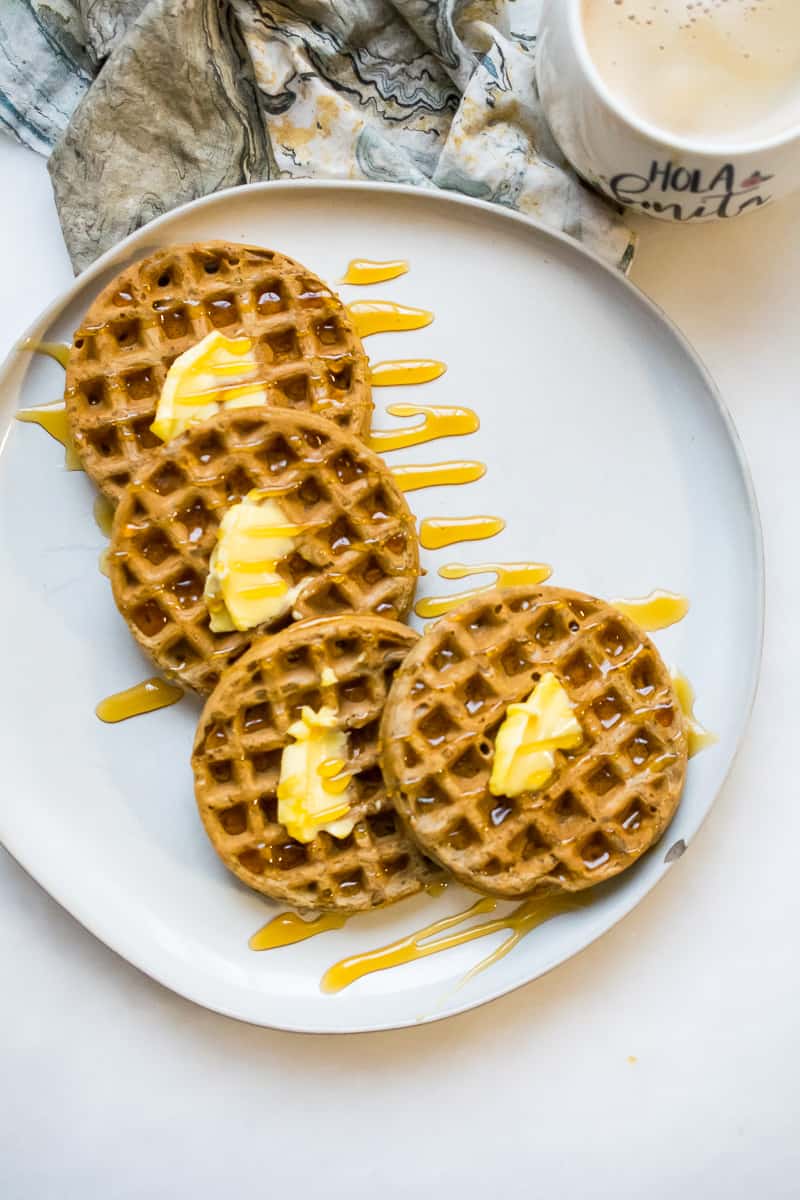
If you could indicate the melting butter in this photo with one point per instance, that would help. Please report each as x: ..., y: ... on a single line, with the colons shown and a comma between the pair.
x: 218, y: 372
x: 313, y: 782
x: 243, y: 588
x: 531, y: 732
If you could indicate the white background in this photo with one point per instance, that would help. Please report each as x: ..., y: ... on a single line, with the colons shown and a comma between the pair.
x: 664, y: 1057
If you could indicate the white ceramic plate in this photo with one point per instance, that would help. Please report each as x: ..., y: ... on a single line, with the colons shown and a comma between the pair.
x: 609, y: 455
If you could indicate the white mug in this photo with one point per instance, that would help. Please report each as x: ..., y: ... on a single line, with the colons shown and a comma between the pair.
x: 636, y: 164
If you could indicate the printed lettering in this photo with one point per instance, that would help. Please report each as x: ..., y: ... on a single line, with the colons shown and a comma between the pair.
x: 681, y: 179
x: 663, y: 171
x: 724, y: 178
x: 721, y: 198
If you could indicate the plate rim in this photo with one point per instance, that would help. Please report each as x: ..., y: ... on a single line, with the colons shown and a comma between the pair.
x: 115, y: 255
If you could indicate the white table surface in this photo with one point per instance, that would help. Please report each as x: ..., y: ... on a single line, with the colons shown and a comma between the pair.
x: 664, y: 1057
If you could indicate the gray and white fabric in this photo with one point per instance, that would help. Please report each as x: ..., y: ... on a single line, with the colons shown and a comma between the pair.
x: 145, y: 104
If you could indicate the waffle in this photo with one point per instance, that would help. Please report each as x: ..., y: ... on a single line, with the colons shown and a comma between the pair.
x: 359, y: 551
x: 237, y: 757
x: 607, y: 802
x: 310, y: 356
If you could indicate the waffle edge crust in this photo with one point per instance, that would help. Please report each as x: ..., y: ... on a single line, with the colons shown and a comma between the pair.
x: 607, y: 802
x: 359, y: 553
x: 237, y: 755
x: 310, y: 357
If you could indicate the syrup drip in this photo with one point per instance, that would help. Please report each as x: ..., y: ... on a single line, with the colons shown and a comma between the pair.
x: 287, y: 929
x: 435, y: 938
x: 53, y: 420
x: 437, y: 886
x: 438, y: 532
x: 145, y: 697
x: 506, y: 575
x: 437, y: 422
x: 384, y: 316
x: 57, y: 350
x: 406, y: 370
x: 364, y: 270
x: 699, y: 737
x: 104, y: 515
x: 522, y: 920
x: 104, y: 562
x: 411, y: 478
x: 659, y: 610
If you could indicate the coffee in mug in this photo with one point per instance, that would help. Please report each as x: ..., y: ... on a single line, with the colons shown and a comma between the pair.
x: 721, y: 72
x: 688, y: 110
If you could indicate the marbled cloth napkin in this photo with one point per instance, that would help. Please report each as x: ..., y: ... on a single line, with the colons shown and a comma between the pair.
x: 145, y: 104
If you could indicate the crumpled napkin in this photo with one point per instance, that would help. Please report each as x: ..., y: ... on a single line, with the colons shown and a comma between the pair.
x: 146, y: 105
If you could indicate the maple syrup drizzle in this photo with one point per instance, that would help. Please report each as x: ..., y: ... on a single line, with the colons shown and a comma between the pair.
x: 437, y: 886
x: 506, y: 575
x: 521, y: 921
x: 406, y: 370
x: 412, y: 477
x: 436, y: 937
x: 239, y: 389
x: 235, y: 383
x: 287, y: 929
x: 53, y: 419
x: 407, y: 949
x: 365, y: 270
x: 104, y: 562
x: 437, y: 532
x: 659, y: 610
x: 384, y: 316
x: 699, y: 737
x: 57, y: 350
x: 144, y: 697
x: 103, y: 511
x: 438, y: 421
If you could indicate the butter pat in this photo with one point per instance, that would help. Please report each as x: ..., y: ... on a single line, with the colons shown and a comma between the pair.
x: 523, y: 750
x: 243, y: 588
x: 218, y: 372
x: 312, y: 790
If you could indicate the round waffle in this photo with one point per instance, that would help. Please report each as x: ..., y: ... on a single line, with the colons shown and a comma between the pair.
x: 607, y: 802
x: 309, y: 354
x: 359, y: 551
x: 237, y: 758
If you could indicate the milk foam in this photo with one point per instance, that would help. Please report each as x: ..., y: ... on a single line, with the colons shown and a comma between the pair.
x: 717, y: 72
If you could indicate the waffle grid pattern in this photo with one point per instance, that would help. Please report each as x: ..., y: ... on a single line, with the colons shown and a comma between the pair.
x: 308, y: 351
x: 237, y: 755
x: 609, y: 800
x: 358, y: 551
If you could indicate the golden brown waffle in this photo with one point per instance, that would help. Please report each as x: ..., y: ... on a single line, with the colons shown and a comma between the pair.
x: 237, y: 758
x: 359, y: 552
x: 309, y: 354
x: 607, y: 802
